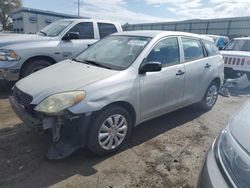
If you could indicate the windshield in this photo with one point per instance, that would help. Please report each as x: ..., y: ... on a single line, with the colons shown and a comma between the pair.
x: 55, y: 28
x: 238, y: 45
x: 115, y: 52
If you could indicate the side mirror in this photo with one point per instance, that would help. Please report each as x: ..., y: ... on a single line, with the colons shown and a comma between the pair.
x: 152, y: 66
x: 71, y: 36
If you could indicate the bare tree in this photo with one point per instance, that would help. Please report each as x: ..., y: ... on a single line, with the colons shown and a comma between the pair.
x: 6, y: 8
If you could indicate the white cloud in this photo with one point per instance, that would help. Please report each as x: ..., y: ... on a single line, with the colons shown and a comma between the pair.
x: 176, y: 3
x: 115, y: 10
x: 217, y: 10
x: 198, y: 9
x: 118, y: 10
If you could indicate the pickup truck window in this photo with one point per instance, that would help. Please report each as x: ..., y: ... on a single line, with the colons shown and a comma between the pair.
x: 106, y: 29
x: 85, y: 30
x: 115, y: 52
x: 55, y: 28
x: 238, y: 45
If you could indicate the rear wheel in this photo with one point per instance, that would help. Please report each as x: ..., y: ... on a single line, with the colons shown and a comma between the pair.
x: 34, y: 66
x: 210, y: 96
x: 110, y: 130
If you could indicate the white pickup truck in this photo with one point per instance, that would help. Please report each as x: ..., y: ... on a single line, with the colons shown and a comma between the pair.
x: 23, y: 54
x: 237, y: 58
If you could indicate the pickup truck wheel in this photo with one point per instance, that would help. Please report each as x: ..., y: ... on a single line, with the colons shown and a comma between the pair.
x: 110, y: 130
x: 34, y: 66
x: 210, y: 96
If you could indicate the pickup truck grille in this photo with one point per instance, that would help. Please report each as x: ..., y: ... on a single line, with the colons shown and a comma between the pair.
x: 21, y: 97
x: 234, y: 61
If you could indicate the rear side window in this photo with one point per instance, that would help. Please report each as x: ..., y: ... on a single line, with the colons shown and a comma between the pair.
x: 193, y: 49
x: 211, y: 48
x: 84, y: 29
x: 166, y: 52
x: 106, y: 29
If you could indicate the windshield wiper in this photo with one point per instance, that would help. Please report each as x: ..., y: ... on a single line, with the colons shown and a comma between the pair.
x: 96, y: 63
x: 45, y: 34
x: 76, y: 60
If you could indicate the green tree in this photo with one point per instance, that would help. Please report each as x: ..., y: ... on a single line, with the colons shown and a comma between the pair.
x: 6, y: 8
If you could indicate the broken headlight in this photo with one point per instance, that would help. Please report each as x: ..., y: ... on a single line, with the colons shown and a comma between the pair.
x: 57, y: 103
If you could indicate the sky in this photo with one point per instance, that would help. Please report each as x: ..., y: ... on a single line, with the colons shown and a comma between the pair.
x: 143, y: 11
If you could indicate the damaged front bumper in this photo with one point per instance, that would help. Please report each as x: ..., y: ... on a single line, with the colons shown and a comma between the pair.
x: 69, y: 131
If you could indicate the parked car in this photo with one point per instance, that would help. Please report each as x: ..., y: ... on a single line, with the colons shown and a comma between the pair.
x: 23, y: 54
x: 228, y: 161
x: 220, y: 41
x: 237, y: 57
x: 119, y: 82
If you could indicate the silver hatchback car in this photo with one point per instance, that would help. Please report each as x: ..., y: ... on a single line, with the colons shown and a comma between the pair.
x: 121, y: 81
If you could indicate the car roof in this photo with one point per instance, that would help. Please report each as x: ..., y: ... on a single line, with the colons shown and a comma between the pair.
x: 89, y: 20
x: 216, y: 35
x: 242, y: 38
x: 155, y: 33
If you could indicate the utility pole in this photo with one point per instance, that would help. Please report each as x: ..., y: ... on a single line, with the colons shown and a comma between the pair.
x: 78, y: 8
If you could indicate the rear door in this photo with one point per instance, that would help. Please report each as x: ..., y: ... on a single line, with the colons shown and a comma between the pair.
x: 198, y: 68
x: 87, y: 36
x: 162, y: 91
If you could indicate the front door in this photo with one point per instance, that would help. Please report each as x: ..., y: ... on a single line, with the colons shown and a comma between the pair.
x: 162, y: 91
x: 71, y: 48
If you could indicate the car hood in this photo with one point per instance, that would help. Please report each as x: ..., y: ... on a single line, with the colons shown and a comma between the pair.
x: 62, y: 77
x: 239, y: 126
x: 234, y: 53
x: 13, y: 39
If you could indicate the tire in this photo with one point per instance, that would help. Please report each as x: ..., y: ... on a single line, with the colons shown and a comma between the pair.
x: 102, y: 146
x: 231, y: 74
x: 248, y: 76
x: 34, y: 66
x: 212, y: 93
x: 6, y: 85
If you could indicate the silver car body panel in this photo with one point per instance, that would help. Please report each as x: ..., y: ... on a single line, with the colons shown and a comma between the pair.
x: 150, y: 94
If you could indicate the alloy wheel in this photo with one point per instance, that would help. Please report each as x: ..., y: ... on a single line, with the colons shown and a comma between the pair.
x: 212, y: 94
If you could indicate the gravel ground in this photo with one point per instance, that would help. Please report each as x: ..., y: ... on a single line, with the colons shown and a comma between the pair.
x: 165, y: 152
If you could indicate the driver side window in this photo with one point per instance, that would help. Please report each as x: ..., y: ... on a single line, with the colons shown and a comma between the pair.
x: 84, y: 29
x: 165, y: 52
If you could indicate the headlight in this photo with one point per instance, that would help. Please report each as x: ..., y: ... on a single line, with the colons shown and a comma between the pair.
x: 8, y: 55
x: 57, y: 103
x: 235, y: 160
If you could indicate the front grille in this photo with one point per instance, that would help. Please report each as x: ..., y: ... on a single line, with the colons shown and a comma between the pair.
x: 21, y: 97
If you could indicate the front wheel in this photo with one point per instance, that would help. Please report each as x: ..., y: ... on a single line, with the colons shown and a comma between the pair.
x: 210, y: 96
x: 34, y: 66
x: 110, y: 130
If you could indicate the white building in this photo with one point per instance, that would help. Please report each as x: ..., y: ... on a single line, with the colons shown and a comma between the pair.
x: 27, y: 20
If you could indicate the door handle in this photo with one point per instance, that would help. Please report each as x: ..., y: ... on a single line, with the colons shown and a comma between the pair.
x: 207, y: 65
x: 180, y: 72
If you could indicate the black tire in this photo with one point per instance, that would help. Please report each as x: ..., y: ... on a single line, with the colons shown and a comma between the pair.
x: 34, y: 66
x: 6, y: 85
x: 100, y: 117
x: 231, y: 74
x: 248, y: 76
x: 205, y: 104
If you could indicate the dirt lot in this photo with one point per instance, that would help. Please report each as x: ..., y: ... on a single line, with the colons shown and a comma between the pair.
x: 165, y: 152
